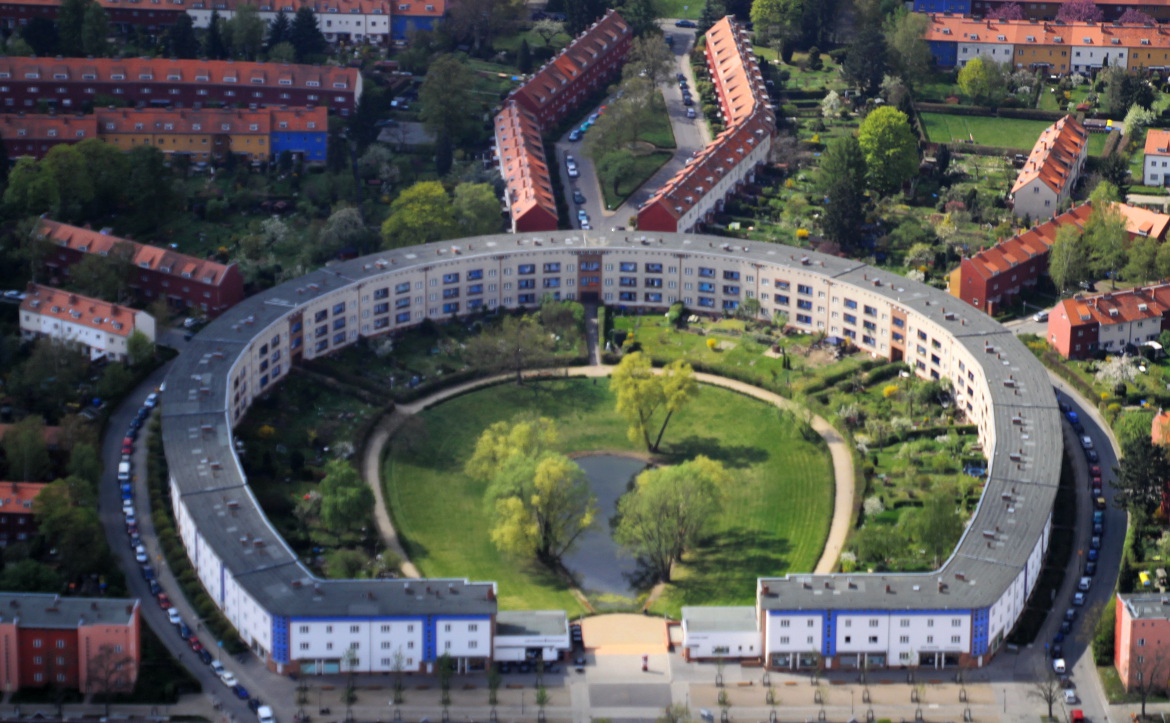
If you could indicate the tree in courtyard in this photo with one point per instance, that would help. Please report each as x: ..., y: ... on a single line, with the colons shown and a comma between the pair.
x: 1125, y: 89
x: 70, y: 21
x: 397, y: 666
x: 891, y: 154
x: 26, y: 451
x: 841, y: 178
x: 1010, y: 11
x: 480, y: 21
x: 539, y: 499
x: 214, y: 44
x: 85, y: 464
x: 713, y: 11
x: 95, y: 30
x: 279, y: 31
x: 109, y: 672
x: 651, y: 59
x: 776, y: 21
x: 518, y: 343
x: 477, y: 209
x: 68, y: 520
x: 1069, y: 260
x: 1079, y: 11
x: 668, y: 512
x: 1141, y: 479
x: 1107, y: 238
x: 346, y: 500
x: 547, y: 29
x: 344, y: 229
x: 305, y: 36
x: 865, y: 61
x: 937, y: 524
x: 247, y: 29
x: 644, y: 397
x: 1136, y: 17
x: 975, y: 81
x: 139, y: 348
x: 180, y: 38
x: 420, y: 214
x: 909, y: 53
x: 449, y: 109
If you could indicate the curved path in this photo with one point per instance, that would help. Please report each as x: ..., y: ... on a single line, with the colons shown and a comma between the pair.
x: 843, y: 474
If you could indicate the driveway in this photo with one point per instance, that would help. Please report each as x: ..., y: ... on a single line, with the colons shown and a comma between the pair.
x: 690, y: 135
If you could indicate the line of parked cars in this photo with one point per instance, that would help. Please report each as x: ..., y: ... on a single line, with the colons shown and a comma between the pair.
x: 125, y: 483
x: 1085, y: 583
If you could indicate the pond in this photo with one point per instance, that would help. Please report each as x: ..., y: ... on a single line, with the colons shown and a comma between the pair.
x: 600, y: 564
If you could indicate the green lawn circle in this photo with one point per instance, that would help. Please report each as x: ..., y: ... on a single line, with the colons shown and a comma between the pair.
x: 776, y: 514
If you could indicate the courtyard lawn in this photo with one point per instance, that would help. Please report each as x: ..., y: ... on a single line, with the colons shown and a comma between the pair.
x: 775, y: 517
x: 983, y: 130
x: 643, y: 168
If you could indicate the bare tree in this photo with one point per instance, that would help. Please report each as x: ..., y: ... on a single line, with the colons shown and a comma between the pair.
x: 1047, y: 689
x: 1148, y: 672
x: 109, y: 672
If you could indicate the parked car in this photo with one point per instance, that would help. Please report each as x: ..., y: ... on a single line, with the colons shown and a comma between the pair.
x: 184, y: 631
x: 1070, y: 697
x: 688, y: 101
x: 195, y: 644
x: 205, y: 656
x: 1072, y: 416
x: 1078, y: 599
x: 1084, y: 584
x: 578, y: 197
x: 575, y: 135
x: 164, y: 601
x: 1059, y: 666
x: 1091, y: 455
x: 228, y: 678
x: 151, y: 400
x: 691, y: 113
x: 1040, y: 316
x: 1087, y: 442
x: 217, y: 668
x: 265, y: 715
x: 173, y: 616
x: 241, y: 692
x: 1070, y: 614
x: 685, y: 24
x: 155, y: 588
x: 1090, y: 569
x: 572, y: 172
x: 140, y: 555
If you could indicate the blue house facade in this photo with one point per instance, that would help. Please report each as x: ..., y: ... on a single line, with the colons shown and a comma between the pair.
x: 311, y: 144
x: 945, y: 52
x: 956, y: 7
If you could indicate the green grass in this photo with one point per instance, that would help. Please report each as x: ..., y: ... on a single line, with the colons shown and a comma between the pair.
x: 689, y: 9
x: 775, y: 518
x: 660, y: 132
x: 643, y: 168
x: 986, y: 131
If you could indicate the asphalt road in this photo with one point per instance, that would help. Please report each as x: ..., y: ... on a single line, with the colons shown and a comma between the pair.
x: 690, y: 135
x: 113, y: 521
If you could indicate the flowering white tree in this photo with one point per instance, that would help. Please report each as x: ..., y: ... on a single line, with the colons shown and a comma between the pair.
x: 831, y: 105
x: 873, y: 506
x: 1118, y: 369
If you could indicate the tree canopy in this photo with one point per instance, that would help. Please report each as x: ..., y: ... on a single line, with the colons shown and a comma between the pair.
x: 1141, y: 479
x: 516, y: 344
x: 346, y: 500
x: 644, y: 397
x: 891, y: 153
x: 420, y: 214
x: 841, y: 178
x: 449, y: 109
x: 669, y: 510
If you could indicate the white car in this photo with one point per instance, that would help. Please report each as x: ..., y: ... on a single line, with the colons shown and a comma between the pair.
x: 1079, y: 599
x: 128, y: 508
x: 264, y: 713
x: 217, y: 668
x: 228, y: 679
x: 140, y: 555
x: 1040, y: 316
x: 1059, y: 666
x: 173, y: 616
x: 1070, y: 697
x: 151, y: 400
x: 1084, y: 584
x: 1087, y: 442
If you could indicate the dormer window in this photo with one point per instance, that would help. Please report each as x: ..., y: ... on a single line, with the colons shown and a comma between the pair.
x: 202, y: 78
x: 52, y: 132
x: 168, y: 126
x: 258, y: 80
x: 32, y: 75
x: 174, y: 76
x: 340, y: 84
x: 285, y: 81
x: 283, y: 125
x: 22, y: 131
x: 117, y: 76
x: 313, y: 83
x: 430, y: 8
x: 225, y: 127
x: 137, y: 126
x: 88, y: 76
x: 145, y: 76
x: 144, y: 264
x: 1145, y: 41
x: 80, y: 134
x: 1088, y: 41
x: 186, y: 274
x: 254, y: 127
x: 229, y: 79
x: 311, y: 125
x: 60, y: 76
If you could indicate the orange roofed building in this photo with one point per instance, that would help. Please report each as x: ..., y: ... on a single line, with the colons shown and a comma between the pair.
x: 995, y: 277
x: 1052, y: 169
x: 1115, y: 321
x: 99, y: 326
x: 700, y: 187
x: 528, y: 190
x: 16, y: 510
x: 34, y: 135
x: 158, y: 273
x: 585, y: 65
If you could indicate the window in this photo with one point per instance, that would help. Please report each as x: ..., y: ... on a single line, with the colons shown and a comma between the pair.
x: 904, y: 639
x: 450, y: 278
x: 956, y: 622
x: 40, y: 643
x: 804, y: 289
x: 956, y: 639
x: 354, y: 628
x: 525, y: 269
x: 654, y: 268
x: 554, y: 268
x: 850, y: 304
x: 784, y: 623
x: 628, y: 267
x: 707, y: 273
x: 873, y: 638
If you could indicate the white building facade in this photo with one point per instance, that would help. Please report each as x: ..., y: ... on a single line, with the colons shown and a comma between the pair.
x: 103, y: 329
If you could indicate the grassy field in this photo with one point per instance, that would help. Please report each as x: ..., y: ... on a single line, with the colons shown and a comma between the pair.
x: 689, y: 9
x: 774, y: 521
x: 986, y: 131
x: 643, y: 168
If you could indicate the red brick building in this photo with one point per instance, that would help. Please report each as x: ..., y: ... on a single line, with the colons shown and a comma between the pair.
x: 72, y: 83
x: 16, y: 514
x: 700, y: 188
x: 88, y: 644
x: 185, y: 281
x: 34, y: 135
x: 994, y: 278
x: 152, y: 17
x: 585, y: 65
x: 528, y: 185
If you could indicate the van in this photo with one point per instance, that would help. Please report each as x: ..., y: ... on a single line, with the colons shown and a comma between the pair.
x: 123, y: 471
x: 264, y: 713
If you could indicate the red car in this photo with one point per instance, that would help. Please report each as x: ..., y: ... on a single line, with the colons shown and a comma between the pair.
x: 127, y: 449
x: 127, y: 442
x: 164, y: 601
x: 195, y: 644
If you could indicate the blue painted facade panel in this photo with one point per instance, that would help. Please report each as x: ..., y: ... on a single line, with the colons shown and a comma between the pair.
x: 400, y: 26
x: 280, y: 627
x: 312, y: 144
x: 980, y: 631
x: 945, y: 52
x: 955, y: 7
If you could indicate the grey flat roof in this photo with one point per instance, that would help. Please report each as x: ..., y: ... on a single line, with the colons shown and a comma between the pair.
x: 532, y: 622
x: 36, y: 610
x: 716, y: 619
x: 1147, y: 606
x: 1023, y: 467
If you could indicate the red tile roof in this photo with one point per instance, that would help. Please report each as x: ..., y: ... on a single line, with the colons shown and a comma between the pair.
x: 522, y: 162
x: 746, y: 107
x: 81, y: 310
x: 321, y: 7
x: 588, y: 48
x: 1118, y: 307
x: 1022, y: 33
x: 16, y: 498
x: 418, y: 8
x: 1157, y: 142
x: 47, y: 127
x: 163, y: 70
x: 1054, y: 158
x: 263, y: 121
x: 141, y: 255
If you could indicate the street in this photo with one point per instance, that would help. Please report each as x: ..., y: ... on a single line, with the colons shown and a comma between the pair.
x: 690, y: 135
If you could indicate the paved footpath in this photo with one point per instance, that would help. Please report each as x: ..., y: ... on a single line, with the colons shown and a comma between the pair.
x: 838, y: 450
